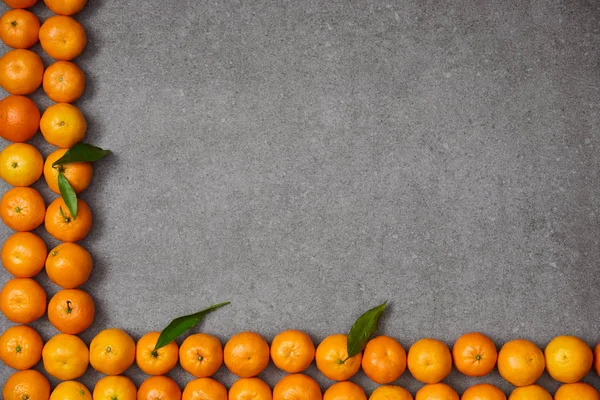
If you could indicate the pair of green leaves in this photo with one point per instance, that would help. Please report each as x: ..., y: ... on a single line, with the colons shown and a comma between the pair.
x: 80, y: 152
x: 360, y: 333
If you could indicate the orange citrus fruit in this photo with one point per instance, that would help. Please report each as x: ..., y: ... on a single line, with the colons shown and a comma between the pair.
x: 155, y: 362
x: 22, y: 300
x: 65, y: 357
x: 204, y: 388
x: 62, y: 37
x: 297, y: 387
x: 22, y: 209
x: 19, y: 118
x: 69, y: 265
x: 78, y: 174
x: 483, y: 391
x: 250, y: 389
x: 390, y: 393
x: 159, y: 388
x: 332, y: 358
x: 597, y: 359
x: 576, y: 391
x: 474, y: 354
x: 21, y: 71
x: 384, y: 359
x: 246, y: 354
x: 112, y: 351
x: 568, y: 359
x: 115, y: 388
x: 292, y: 351
x: 71, y: 311
x: 344, y: 391
x: 24, y: 254
x: 26, y: 385
x: 19, y: 29
x: 71, y: 390
x: 63, y: 125
x: 64, y: 82
x: 20, y: 3
x: 65, y: 7
x: 21, y: 164
x: 429, y: 360
x: 531, y: 392
x: 61, y: 224
x: 20, y: 347
x: 436, y: 391
x: 521, y: 362
x: 201, y: 355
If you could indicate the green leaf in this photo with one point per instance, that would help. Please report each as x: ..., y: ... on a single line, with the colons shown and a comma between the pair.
x: 68, y: 194
x: 81, y: 152
x: 179, y: 325
x: 364, y: 327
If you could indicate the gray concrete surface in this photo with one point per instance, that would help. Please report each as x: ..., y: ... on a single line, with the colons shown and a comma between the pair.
x: 308, y: 160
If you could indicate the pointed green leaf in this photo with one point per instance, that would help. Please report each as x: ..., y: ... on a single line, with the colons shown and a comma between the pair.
x: 179, y: 325
x: 68, y: 194
x: 364, y: 327
x: 81, y: 152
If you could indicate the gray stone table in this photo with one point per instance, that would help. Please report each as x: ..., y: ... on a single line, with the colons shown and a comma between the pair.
x: 308, y: 160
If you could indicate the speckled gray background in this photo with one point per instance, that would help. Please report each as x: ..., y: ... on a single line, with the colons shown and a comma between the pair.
x: 309, y: 159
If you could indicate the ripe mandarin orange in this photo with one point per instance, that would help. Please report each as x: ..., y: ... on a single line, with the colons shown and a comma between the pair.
x: 204, y: 388
x: 64, y: 82
x: 568, y: 359
x: 21, y: 164
x: 69, y: 265
x: 531, y: 392
x: 62, y: 37
x: 201, y: 355
x: 19, y: 29
x: 61, y: 224
x: 22, y: 209
x: 436, y: 391
x: 390, y: 393
x: 20, y: 347
x: 297, y: 387
x: 24, y: 254
x: 155, y: 362
x: 384, y: 359
x: 576, y: 391
x: 474, y: 354
x: 115, y: 388
x: 26, y: 385
x: 19, y: 118
x: 21, y: 71
x: 63, y: 125
x: 483, y: 391
x: 65, y: 357
x: 112, y: 351
x: 344, y: 391
x: 246, y: 354
x: 292, y: 351
x: 20, y: 3
x: 22, y: 300
x: 78, y: 174
x: 332, y: 358
x: 521, y: 362
x: 71, y: 390
x: 71, y: 311
x: 429, y: 360
x: 65, y: 7
x: 250, y: 388
x: 159, y: 388
x: 597, y: 359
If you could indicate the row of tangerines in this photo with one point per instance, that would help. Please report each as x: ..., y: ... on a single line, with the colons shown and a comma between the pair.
x: 22, y: 208
x: 247, y: 354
